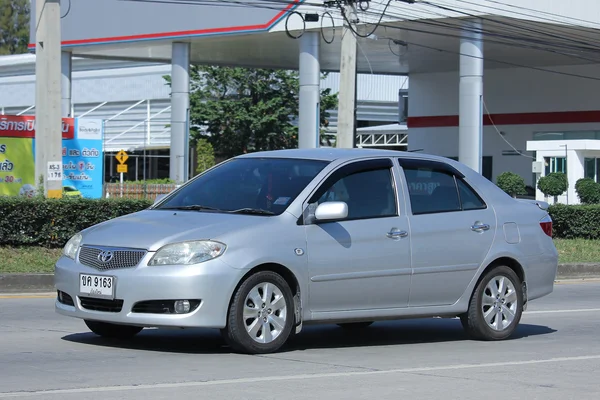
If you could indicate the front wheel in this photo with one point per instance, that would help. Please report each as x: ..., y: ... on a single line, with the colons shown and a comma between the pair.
x: 105, y: 329
x: 496, y: 306
x: 261, y: 315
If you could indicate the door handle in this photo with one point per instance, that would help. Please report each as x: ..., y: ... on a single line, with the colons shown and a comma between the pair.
x: 396, y: 234
x: 480, y: 227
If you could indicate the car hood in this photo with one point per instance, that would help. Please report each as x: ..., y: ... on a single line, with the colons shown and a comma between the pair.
x: 152, y: 229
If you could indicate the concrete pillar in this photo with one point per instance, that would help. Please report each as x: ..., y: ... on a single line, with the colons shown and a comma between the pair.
x: 470, y: 130
x: 66, y: 87
x: 48, y: 124
x: 310, y: 91
x: 180, y: 100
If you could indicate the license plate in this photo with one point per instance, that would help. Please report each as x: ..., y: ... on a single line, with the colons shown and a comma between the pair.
x: 100, y: 286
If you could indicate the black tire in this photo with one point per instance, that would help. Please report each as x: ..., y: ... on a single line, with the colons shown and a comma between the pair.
x: 108, y: 330
x: 473, y: 320
x: 235, y: 333
x: 356, y: 325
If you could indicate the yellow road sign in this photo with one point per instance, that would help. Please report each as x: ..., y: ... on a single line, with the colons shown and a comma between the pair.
x: 122, y: 168
x: 122, y: 157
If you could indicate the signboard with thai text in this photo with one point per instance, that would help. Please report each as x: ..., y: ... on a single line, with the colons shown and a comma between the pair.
x: 82, y: 156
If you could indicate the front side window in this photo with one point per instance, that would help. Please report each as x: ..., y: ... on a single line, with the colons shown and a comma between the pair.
x: 369, y: 194
x: 267, y: 185
x: 434, y: 190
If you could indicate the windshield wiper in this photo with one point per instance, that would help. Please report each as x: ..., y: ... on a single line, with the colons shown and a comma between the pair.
x: 194, y: 207
x: 255, y: 211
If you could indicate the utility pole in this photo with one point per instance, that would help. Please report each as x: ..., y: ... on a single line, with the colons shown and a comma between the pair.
x: 346, y: 128
x: 48, y: 116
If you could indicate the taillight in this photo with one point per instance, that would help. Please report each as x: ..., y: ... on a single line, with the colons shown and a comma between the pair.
x: 546, y: 224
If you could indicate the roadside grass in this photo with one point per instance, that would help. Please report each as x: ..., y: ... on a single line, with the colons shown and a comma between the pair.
x: 41, y: 260
x: 578, y: 250
x: 27, y: 259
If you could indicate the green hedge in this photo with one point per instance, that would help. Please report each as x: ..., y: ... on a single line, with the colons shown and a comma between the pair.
x: 51, y: 222
x: 575, y: 222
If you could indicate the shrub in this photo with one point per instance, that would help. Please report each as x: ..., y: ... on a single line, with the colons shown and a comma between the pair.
x: 206, y: 155
x: 588, y: 191
x: 51, y: 222
x: 575, y: 222
x: 511, y: 183
x: 553, y: 184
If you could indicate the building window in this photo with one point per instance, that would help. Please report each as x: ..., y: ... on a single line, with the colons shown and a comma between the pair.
x: 592, y: 168
x: 555, y: 164
x: 572, y: 135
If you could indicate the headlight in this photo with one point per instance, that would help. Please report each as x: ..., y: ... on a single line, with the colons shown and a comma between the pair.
x: 187, y: 253
x: 70, y: 249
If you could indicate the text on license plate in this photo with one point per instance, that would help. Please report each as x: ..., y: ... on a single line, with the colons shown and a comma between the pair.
x: 97, y: 285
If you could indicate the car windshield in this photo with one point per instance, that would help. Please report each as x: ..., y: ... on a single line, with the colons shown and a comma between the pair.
x: 262, y: 186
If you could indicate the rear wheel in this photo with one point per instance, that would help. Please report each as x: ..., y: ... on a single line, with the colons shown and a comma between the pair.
x: 261, y: 316
x: 496, y: 306
x: 108, y: 330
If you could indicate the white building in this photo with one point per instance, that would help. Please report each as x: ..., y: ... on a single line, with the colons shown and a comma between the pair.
x: 533, y: 116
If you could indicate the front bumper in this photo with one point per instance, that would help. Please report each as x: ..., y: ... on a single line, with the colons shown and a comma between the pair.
x: 211, y: 282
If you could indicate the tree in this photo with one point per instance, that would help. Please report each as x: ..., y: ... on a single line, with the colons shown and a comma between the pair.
x: 588, y: 191
x: 553, y: 184
x: 511, y: 183
x: 206, y: 155
x: 14, y: 26
x: 241, y: 110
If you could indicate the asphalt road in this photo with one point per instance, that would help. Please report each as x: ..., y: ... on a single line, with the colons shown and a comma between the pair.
x: 555, y: 355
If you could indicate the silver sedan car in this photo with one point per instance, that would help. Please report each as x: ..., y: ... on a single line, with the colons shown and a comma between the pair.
x: 263, y: 243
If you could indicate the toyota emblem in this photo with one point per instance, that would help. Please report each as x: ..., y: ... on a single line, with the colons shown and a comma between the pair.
x: 105, y: 256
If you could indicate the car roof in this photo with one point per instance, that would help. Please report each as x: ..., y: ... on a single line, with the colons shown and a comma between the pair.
x: 333, y: 154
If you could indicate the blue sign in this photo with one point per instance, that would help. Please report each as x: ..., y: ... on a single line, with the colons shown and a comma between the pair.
x: 83, y: 160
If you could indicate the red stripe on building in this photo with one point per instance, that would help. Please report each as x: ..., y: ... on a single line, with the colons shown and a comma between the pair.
x: 23, y: 126
x: 562, y: 117
x: 167, y: 35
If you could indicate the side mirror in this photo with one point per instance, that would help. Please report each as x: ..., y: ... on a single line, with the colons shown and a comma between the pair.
x: 159, y: 198
x: 331, y: 211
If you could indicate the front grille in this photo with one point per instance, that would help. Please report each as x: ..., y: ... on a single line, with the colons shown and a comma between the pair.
x: 121, y: 258
x: 65, y: 299
x: 160, y: 306
x: 112, y: 306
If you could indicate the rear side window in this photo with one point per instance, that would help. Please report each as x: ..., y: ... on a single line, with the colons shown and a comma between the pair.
x: 435, y: 190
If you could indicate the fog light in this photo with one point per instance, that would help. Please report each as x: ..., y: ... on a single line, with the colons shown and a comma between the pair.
x: 182, y: 306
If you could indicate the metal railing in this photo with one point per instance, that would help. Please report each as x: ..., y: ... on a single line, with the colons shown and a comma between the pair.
x: 139, y: 191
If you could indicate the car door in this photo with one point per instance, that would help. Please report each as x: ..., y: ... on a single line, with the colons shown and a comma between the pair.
x: 452, y: 230
x: 363, y: 261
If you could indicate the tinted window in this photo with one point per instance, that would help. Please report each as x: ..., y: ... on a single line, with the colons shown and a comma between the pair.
x: 469, y: 199
x: 369, y: 194
x: 268, y: 184
x: 435, y: 191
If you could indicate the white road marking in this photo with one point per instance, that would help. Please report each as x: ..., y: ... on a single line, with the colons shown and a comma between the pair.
x: 292, y: 377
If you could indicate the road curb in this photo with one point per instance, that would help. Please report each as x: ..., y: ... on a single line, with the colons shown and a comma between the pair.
x: 43, y: 283
x: 26, y: 283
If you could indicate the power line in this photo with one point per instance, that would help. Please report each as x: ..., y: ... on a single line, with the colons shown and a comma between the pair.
x: 505, y: 62
x: 575, y: 38
x: 537, y: 12
x: 535, y: 45
x: 497, y: 33
x: 270, y: 4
